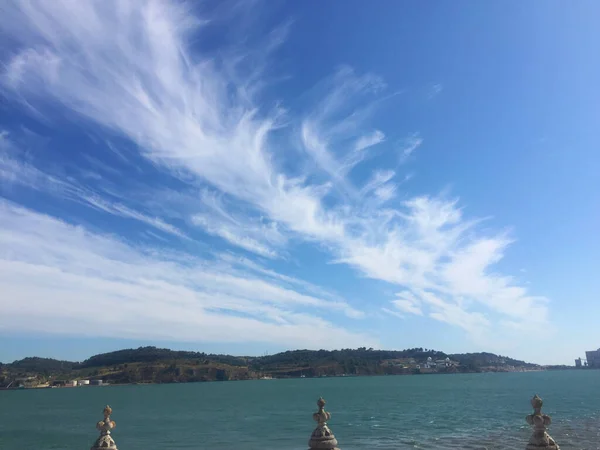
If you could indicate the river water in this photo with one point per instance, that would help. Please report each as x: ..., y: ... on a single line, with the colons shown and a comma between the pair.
x: 463, y: 411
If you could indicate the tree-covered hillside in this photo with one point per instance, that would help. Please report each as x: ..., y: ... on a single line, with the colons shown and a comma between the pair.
x: 490, y: 359
x: 153, y: 354
x: 159, y: 365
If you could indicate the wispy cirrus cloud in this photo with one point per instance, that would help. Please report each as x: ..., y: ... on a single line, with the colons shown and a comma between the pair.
x: 16, y: 171
x: 428, y: 247
x: 332, y: 131
x: 129, y: 67
x: 232, y: 234
x: 409, y: 145
x: 380, y: 187
x: 369, y: 140
x: 407, y: 302
x: 254, y: 234
x: 122, y: 210
x: 148, y: 294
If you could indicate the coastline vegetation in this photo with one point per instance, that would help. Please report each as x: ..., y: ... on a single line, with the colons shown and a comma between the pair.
x: 158, y: 365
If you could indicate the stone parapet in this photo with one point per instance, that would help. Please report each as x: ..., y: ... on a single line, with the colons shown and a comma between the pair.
x: 322, y: 438
x: 540, y: 439
x: 105, y: 440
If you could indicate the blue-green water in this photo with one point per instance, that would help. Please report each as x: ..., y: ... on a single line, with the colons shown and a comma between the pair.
x: 473, y: 411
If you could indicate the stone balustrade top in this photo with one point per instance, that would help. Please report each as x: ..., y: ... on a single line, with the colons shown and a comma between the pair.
x: 540, y: 439
x: 322, y: 438
x: 105, y: 440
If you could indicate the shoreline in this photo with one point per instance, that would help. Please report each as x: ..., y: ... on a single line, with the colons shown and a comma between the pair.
x: 274, y: 378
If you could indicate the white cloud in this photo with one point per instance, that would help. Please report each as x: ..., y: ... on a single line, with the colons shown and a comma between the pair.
x: 128, y: 66
x: 125, y: 211
x: 150, y: 235
x: 247, y: 264
x: 408, y: 307
x: 385, y: 192
x: 53, y: 273
x: 454, y: 313
x: 408, y: 303
x: 409, y: 146
x: 378, y: 179
x: 255, y: 235
x: 369, y: 140
x: 393, y: 313
x: 102, y: 166
x: 380, y: 188
x: 328, y: 130
x: 233, y: 236
x: 146, y: 87
x: 17, y: 171
x: 429, y: 248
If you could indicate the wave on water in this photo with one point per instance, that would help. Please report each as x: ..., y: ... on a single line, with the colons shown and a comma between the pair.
x: 570, y: 436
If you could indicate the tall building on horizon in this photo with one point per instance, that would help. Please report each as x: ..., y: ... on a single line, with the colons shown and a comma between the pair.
x: 593, y: 358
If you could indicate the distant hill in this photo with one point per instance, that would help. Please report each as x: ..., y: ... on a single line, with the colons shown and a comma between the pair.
x: 153, y: 354
x: 42, y: 365
x: 490, y: 359
x: 159, y: 365
x: 361, y: 361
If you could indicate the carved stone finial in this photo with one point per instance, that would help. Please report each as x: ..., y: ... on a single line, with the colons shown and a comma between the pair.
x: 105, y: 441
x: 322, y: 438
x: 540, y: 439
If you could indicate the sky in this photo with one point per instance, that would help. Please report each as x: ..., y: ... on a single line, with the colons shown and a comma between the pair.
x: 256, y: 176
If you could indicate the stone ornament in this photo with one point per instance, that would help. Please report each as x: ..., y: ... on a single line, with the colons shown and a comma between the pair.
x: 105, y: 441
x: 322, y: 438
x: 540, y: 439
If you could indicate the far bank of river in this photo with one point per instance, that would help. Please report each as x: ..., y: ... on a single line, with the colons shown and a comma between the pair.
x: 104, y: 384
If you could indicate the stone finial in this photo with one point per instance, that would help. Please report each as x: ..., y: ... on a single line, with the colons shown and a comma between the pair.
x: 105, y: 441
x: 322, y: 438
x: 540, y: 439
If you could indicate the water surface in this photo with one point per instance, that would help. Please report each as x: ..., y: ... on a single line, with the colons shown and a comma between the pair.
x: 470, y: 411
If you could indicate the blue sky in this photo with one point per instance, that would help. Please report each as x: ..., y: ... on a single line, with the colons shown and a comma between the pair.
x: 252, y: 177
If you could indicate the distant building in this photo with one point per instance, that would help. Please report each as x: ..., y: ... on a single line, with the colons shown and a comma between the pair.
x: 444, y: 363
x: 430, y: 364
x: 578, y: 362
x: 96, y: 382
x: 84, y: 382
x: 593, y: 358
